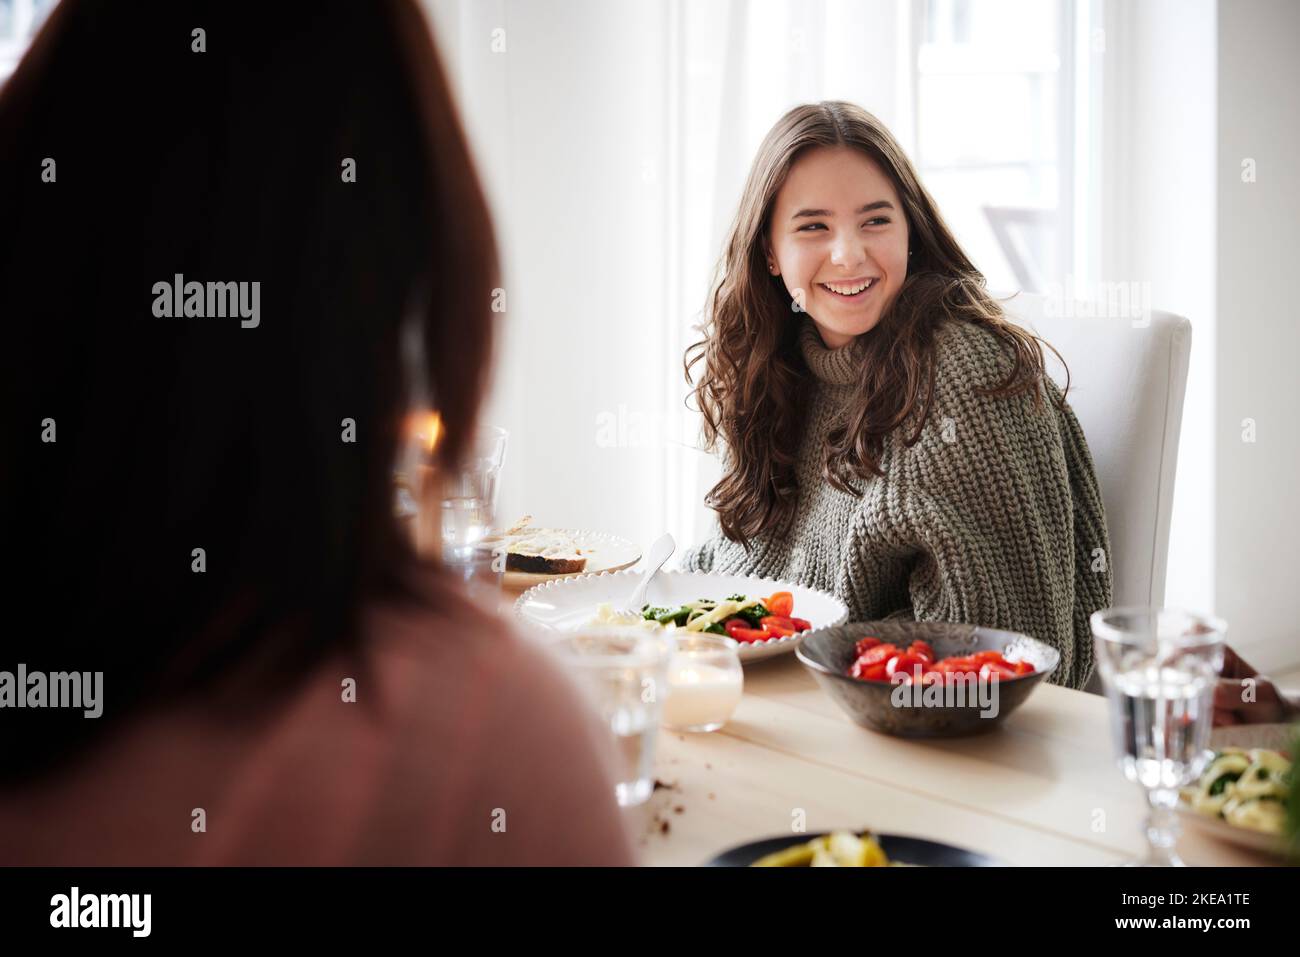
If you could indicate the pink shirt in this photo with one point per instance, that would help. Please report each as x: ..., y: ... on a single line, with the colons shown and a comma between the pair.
x: 466, y: 745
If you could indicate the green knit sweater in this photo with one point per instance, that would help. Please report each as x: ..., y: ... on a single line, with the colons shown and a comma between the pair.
x: 993, y: 517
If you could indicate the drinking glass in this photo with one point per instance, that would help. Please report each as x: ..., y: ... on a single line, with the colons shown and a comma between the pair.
x: 469, y: 502
x: 1159, y: 667
x: 450, y: 512
x: 623, y: 671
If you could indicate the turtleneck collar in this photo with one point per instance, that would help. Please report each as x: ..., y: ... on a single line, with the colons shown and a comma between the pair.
x: 832, y: 366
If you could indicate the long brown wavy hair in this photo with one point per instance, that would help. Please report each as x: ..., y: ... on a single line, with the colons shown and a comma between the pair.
x: 752, y: 390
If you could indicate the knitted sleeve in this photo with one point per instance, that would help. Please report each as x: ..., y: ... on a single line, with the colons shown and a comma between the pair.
x: 997, y: 507
x: 699, y: 558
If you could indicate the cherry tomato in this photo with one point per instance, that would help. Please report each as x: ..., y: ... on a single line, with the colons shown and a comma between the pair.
x: 992, y: 671
x: 909, y: 664
x: 878, y: 655
x: 778, y: 626
x: 865, y: 643
x: 921, y: 649
x: 882, y: 661
x: 867, y: 672
x: 802, y: 624
x: 738, y: 630
x: 781, y: 604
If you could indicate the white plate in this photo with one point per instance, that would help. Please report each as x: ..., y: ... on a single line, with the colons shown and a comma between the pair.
x: 1274, y: 737
x: 571, y: 603
x: 605, y: 553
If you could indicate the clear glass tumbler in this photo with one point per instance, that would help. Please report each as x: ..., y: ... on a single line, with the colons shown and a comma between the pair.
x: 1159, y: 667
x: 623, y: 670
x: 451, y: 512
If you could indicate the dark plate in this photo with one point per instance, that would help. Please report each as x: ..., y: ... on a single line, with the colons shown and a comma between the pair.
x: 907, y: 850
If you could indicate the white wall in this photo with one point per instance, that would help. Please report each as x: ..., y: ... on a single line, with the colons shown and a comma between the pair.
x: 1259, y: 337
x: 568, y: 126
x: 1158, y: 227
x: 1192, y: 88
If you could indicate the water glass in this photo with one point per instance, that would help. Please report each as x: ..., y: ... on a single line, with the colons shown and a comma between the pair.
x: 623, y: 671
x: 1159, y: 667
x: 452, y: 512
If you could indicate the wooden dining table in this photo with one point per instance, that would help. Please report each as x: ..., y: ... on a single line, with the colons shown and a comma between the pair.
x: 1042, y: 788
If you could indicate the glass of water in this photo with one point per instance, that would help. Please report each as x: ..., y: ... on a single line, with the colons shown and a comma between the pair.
x: 1159, y: 667
x: 624, y: 671
x: 451, y: 512
x: 469, y: 495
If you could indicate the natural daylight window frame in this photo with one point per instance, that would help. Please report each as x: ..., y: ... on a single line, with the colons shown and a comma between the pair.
x: 1078, y: 124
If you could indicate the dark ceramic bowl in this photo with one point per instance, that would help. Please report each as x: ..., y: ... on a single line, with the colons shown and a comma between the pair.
x: 895, y: 710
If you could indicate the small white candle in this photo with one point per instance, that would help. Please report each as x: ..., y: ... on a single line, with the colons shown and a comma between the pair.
x: 701, y: 697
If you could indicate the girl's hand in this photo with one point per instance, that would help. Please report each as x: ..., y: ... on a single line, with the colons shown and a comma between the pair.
x: 1243, y: 696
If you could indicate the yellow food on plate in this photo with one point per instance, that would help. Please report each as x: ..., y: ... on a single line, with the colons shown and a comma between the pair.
x: 1256, y: 814
x: 1246, y: 788
x: 840, y: 849
x: 606, y: 615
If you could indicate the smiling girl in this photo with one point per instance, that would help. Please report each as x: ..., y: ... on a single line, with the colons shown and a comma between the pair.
x: 883, y: 425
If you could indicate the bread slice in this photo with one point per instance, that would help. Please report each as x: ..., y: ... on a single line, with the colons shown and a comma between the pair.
x: 543, y: 551
x: 542, y: 565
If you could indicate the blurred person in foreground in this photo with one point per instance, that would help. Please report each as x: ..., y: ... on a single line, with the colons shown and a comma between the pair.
x: 137, y: 432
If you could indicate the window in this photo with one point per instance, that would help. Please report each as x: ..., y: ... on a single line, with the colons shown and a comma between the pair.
x: 998, y: 105
x: 19, y: 21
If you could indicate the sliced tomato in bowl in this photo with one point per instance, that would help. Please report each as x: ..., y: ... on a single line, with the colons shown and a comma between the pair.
x: 867, y: 672
x: 864, y: 645
x: 921, y: 649
x: 878, y: 654
x: 909, y: 664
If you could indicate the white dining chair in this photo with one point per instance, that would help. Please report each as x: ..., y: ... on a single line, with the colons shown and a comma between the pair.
x: 1127, y: 380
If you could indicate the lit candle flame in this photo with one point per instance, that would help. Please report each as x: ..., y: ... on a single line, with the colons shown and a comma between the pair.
x: 431, y: 432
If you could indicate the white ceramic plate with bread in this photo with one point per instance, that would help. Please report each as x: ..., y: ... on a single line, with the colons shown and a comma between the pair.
x: 536, y: 554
